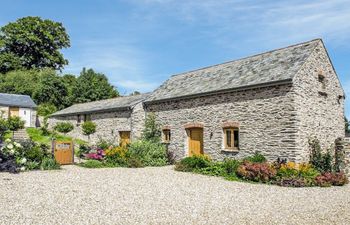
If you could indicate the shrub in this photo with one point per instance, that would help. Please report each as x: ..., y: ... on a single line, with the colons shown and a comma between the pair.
x: 8, y: 163
x: 3, y: 127
x: 33, y: 165
x: 82, y: 150
x: 231, y: 166
x: 14, y: 123
x: 35, y: 154
x: 88, y: 128
x: 256, y: 158
x: 192, y: 163
x: 92, y: 164
x: 104, y: 144
x: 64, y: 127
x: 98, y: 155
x: 117, y: 156
x: 259, y: 172
x: 214, y: 169
x: 134, y: 163
x: 152, y: 130
x: 149, y: 152
x: 328, y: 179
x: 321, y: 161
x: 49, y: 164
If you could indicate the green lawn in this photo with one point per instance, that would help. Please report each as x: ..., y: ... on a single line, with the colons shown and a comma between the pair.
x: 37, y: 136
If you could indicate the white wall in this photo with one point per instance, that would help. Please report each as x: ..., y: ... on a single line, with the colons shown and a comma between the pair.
x: 26, y: 115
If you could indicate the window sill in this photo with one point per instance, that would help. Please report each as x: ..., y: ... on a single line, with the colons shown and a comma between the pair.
x: 233, y: 150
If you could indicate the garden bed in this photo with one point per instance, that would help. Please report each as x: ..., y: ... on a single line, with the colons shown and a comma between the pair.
x: 257, y: 169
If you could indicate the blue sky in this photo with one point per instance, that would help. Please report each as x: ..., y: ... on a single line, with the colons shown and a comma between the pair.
x: 139, y: 43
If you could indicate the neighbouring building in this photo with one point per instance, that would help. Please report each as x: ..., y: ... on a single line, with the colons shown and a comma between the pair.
x: 18, y: 105
x: 271, y: 103
x: 118, y: 119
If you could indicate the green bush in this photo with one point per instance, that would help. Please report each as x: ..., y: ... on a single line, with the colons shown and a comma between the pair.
x: 35, y: 154
x: 104, y: 144
x: 64, y: 127
x: 88, y: 128
x: 193, y: 163
x: 214, y: 169
x: 91, y: 163
x: 32, y: 165
x: 15, y: 123
x: 134, y: 162
x: 321, y: 161
x: 150, y: 153
x: 231, y: 166
x: 256, y: 158
x: 49, y: 164
x: 152, y: 130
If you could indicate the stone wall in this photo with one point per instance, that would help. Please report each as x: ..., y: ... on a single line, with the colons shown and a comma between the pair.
x: 108, y: 124
x: 346, y: 146
x: 4, y: 111
x: 266, y: 118
x: 320, y: 110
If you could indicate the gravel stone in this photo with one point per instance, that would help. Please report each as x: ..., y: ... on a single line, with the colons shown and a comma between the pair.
x: 76, y: 195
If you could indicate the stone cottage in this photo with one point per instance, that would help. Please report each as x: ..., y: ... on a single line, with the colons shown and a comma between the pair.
x: 18, y: 105
x: 118, y: 119
x: 271, y: 102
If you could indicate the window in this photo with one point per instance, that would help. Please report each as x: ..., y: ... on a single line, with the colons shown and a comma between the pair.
x: 166, y: 136
x: 78, y: 119
x: 231, y: 138
x: 87, y: 117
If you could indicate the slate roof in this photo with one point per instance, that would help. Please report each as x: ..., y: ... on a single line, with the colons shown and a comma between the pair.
x: 263, y: 69
x: 118, y: 103
x: 24, y: 101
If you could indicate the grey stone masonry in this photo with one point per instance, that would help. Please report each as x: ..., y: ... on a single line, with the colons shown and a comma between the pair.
x: 109, y: 124
x: 319, y: 102
x: 347, y: 156
x: 277, y: 120
x: 266, y: 116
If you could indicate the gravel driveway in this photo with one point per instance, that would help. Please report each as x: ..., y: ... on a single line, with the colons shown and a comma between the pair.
x: 77, y: 195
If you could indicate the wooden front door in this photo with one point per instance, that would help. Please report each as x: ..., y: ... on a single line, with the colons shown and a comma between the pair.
x: 13, y: 111
x: 124, y: 138
x: 195, y: 141
x: 64, y: 152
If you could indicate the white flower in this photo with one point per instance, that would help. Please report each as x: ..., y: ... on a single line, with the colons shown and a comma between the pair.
x: 12, y: 151
x: 24, y: 160
x: 8, y: 140
x: 10, y: 146
x: 23, y: 168
x: 18, y: 145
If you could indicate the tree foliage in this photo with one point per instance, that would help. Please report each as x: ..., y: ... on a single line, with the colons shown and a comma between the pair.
x: 50, y: 89
x: 152, y: 131
x: 32, y: 42
x: 92, y: 86
x: 64, y: 127
x: 88, y: 128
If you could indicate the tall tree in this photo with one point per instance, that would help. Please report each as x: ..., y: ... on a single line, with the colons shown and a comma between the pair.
x: 32, y: 42
x: 92, y: 86
x: 51, y: 89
